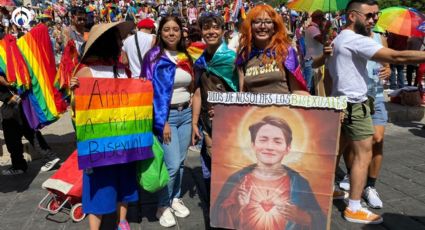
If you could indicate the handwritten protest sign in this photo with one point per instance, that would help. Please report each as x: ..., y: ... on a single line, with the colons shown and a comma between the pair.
x: 283, y: 151
x: 113, y: 121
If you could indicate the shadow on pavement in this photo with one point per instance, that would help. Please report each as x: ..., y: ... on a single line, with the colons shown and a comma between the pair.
x: 20, y: 183
x: 63, y: 145
x: 416, y: 128
x: 400, y: 221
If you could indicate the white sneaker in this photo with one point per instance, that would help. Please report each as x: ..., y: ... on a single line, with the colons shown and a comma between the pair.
x: 372, y: 197
x: 180, y: 210
x: 49, y: 165
x: 345, y: 183
x: 166, y: 218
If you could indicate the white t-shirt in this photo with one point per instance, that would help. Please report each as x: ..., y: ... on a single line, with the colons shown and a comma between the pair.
x: 103, y: 71
x: 182, y: 80
x: 347, y: 65
x: 234, y: 41
x: 313, y: 47
x: 129, y: 47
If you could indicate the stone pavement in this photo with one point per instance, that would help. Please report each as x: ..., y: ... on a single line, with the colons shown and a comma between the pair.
x: 401, y: 185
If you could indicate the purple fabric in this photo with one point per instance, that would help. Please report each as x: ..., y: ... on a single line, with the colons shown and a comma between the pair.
x: 148, y: 65
x: 291, y: 62
x: 30, y: 113
x: 161, y: 72
x: 119, y: 157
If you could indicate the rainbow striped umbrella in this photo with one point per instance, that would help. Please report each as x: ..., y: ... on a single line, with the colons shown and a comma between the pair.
x: 401, y: 20
x: 313, y: 5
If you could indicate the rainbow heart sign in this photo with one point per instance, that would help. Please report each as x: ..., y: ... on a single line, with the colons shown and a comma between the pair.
x: 113, y: 121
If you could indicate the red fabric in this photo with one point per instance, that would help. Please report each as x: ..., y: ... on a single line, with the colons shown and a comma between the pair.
x: 146, y: 23
x: 16, y: 65
x: 67, y: 65
x: 420, y: 74
x: 70, y: 174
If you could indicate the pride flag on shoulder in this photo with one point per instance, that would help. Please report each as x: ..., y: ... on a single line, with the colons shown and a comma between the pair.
x: 43, y: 103
x: 113, y: 121
x: 13, y: 64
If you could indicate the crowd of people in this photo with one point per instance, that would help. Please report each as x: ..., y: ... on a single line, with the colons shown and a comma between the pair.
x: 260, y: 49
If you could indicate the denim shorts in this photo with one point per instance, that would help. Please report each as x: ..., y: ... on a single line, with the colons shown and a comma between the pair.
x: 380, y: 117
x: 104, y: 187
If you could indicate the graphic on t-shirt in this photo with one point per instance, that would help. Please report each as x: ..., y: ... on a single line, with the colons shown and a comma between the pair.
x: 262, y: 69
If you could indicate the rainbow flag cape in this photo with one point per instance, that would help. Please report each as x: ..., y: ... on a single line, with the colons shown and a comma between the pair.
x: 161, y: 73
x: 13, y: 64
x: 45, y: 103
x: 66, y: 68
x: 113, y: 121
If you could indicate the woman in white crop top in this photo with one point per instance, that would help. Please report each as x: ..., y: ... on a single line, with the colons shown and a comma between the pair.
x: 169, y: 68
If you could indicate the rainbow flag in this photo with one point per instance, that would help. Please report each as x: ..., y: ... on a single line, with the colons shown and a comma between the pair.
x: 237, y: 6
x: 13, y: 64
x: 66, y: 68
x: 45, y: 103
x: 113, y: 121
x: 226, y: 15
x: 3, y: 58
x: 196, y: 49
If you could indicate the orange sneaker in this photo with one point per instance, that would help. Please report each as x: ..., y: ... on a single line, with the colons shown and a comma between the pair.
x: 362, y: 216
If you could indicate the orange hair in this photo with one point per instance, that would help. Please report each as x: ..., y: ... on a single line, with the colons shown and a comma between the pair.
x: 279, y: 43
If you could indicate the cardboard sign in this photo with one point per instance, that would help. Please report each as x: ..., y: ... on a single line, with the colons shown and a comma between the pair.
x: 113, y: 121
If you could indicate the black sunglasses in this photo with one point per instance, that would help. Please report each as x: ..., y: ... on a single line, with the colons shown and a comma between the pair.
x: 368, y: 15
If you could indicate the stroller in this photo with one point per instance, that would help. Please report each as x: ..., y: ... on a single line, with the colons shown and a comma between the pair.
x: 65, y: 190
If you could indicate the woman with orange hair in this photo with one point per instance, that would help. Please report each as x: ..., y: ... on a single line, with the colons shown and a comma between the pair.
x: 267, y: 63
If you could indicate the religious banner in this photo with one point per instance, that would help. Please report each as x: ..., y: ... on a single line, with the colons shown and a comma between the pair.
x: 273, y: 160
x: 113, y: 121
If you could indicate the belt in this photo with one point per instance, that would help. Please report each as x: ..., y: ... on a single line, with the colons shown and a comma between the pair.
x: 180, y: 106
x: 364, y: 104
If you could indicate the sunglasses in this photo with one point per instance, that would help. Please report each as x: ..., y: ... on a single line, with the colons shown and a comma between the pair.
x: 262, y: 22
x: 369, y: 15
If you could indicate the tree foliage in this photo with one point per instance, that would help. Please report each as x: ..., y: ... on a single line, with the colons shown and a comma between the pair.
x: 417, y: 4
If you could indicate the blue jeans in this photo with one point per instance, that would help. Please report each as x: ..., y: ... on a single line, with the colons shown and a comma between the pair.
x: 308, y: 74
x: 399, y: 82
x: 175, y: 153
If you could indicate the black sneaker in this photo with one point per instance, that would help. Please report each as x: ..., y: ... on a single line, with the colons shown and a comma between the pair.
x: 12, y: 171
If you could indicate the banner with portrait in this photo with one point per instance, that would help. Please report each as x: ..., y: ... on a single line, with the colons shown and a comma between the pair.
x: 273, y: 160
x: 113, y: 119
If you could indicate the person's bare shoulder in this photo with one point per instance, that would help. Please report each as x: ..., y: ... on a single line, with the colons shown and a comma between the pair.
x: 84, y: 72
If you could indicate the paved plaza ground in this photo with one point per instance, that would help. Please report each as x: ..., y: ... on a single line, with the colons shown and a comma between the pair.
x: 401, y: 186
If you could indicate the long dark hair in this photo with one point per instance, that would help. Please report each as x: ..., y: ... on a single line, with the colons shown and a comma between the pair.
x: 106, y: 47
x: 181, y: 47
